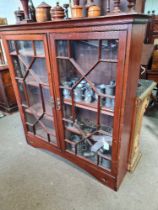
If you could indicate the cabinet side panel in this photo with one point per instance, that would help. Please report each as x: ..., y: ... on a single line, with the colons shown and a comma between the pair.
x: 133, y: 60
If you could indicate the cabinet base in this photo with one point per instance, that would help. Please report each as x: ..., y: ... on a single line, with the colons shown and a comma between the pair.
x: 95, y: 171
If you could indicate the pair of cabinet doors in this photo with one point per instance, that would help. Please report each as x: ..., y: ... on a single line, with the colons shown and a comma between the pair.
x: 69, y: 90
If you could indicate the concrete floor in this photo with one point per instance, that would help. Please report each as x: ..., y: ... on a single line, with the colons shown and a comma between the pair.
x: 32, y: 179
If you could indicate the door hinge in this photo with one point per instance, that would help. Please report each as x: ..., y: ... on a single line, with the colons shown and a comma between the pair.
x: 58, y: 104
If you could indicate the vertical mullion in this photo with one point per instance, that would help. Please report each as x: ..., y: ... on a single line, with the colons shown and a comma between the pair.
x: 25, y: 93
x: 34, y: 49
x: 99, y: 50
x: 42, y: 98
x: 69, y: 49
x: 98, y: 112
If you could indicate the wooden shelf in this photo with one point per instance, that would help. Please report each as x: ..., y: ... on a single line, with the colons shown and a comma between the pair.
x: 107, y: 157
x: 90, y: 106
x: 32, y: 82
x: 101, y: 60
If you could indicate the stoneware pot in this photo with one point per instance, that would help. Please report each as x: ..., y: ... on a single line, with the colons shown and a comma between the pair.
x: 43, y: 12
x: 77, y: 11
x: 94, y: 11
x: 57, y: 12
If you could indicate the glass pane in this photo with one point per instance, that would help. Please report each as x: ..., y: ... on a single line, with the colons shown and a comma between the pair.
x: 47, y: 100
x: 88, y: 83
x: 85, y: 53
x: 30, y: 121
x: 21, y: 92
x: 62, y: 48
x: 19, y: 67
x: 39, y: 46
x: 68, y: 73
x: 40, y: 70
x: 26, y: 60
x: 31, y: 79
x: 41, y: 132
x: 35, y: 99
x: 32, y: 76
x: 25, y: 47
x: 12, y: 48
x: 109, y: 49
x: 48, y: 124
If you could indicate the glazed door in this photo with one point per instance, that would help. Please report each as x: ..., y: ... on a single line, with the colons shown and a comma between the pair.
x: 89, y: 71
x: 31, y: 69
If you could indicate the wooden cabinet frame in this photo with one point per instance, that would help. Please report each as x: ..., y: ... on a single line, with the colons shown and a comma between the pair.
x: 129, y: 29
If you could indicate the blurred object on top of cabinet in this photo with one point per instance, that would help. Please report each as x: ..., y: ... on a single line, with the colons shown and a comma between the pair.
x: 26, y: 8
x: 19, y: 15
x: 57, y: 12
x: 43, y: 12
x: 3, y: 21
x: 66, y: 6
x: 108, y: 5
x: 77, y: 11
x: 94, y: 11
x: 131, y: 5
x: 32, y: 13
x: 116, y: 6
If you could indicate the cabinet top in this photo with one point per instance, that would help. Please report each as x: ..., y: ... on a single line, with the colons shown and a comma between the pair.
x: 111, y: 19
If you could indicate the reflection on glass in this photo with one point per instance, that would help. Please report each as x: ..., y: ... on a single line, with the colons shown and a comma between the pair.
x: 109, y: 49
x: 62, y: 48
x: 47, y: 100
x: 32, y: 81
x: 12, y: 46
x: 26, y: 60
x: 21, y: 91
x: 35, y: 99
x: 85, y: 53
x: 68, y: 73
x: 25, y: 47
x: 40, y: 131
x: 39, y: 46
x: 19, y: 67
x: 40, y: 70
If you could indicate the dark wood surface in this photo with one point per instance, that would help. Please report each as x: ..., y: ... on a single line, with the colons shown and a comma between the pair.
x: 7, y: 96
x: 129, y: 30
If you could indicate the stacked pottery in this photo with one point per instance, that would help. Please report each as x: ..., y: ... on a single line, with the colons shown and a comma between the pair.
x: 19, y: 14
x: 57, y: 12
x: 43, y: 12
x: 76, y: 9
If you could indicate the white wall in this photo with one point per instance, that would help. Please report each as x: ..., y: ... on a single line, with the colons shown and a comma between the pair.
x: 7, y: 7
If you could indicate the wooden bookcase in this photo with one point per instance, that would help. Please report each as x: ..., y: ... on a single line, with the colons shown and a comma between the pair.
x: 60, y: 71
